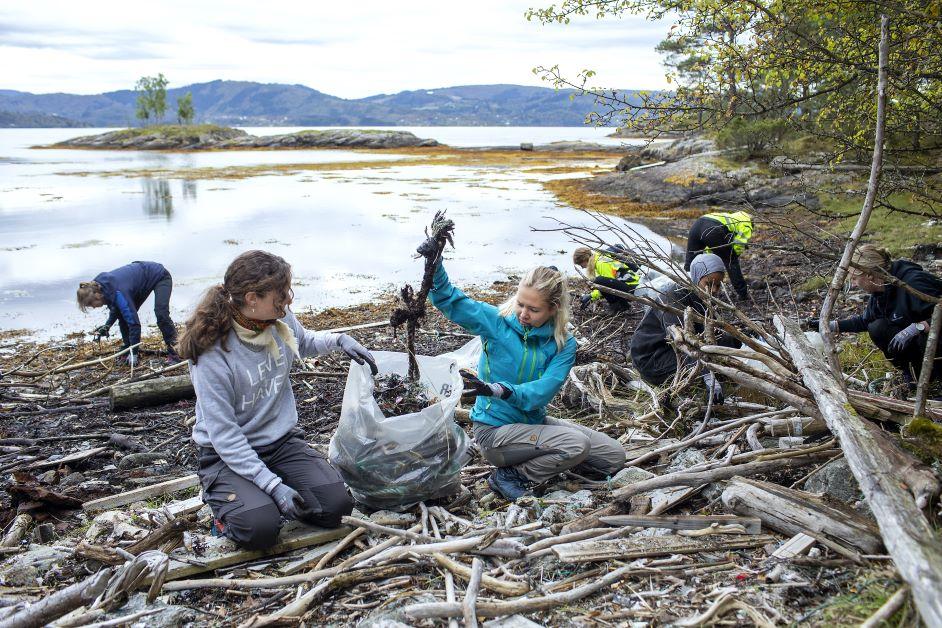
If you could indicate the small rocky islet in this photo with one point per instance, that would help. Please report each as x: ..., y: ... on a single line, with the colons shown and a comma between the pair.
x: 212, y: 137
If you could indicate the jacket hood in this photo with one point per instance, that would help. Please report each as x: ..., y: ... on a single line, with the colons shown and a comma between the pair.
x: 902, y: 268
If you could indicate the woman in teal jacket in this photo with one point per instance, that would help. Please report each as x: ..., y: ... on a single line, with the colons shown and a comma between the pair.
x: 526, y: 358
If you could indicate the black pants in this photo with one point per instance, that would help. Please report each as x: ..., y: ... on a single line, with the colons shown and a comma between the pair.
x: 909, y: 360
x: 615, y: 302
x: 706, y: 232
x: 249, y: 515
x: 162, y: 310
x: 660, y: 365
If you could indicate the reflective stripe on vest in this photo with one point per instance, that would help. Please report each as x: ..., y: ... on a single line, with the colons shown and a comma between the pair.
x: 739, y: 224
x: 607, y: 266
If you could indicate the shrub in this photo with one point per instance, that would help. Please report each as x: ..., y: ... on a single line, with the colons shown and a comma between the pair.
x: 755, y: 137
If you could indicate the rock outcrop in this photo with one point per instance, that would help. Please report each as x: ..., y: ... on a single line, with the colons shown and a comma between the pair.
x: 210, y: 137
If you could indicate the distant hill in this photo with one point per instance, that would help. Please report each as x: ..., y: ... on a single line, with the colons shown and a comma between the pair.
x: 242, y: 103
x: 27, y: 119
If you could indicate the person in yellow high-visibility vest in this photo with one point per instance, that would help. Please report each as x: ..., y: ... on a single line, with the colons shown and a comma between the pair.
x: 725, y: 234
x: 610, y: 268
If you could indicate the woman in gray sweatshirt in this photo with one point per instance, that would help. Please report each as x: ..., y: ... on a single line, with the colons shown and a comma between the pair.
x: 254, y: 466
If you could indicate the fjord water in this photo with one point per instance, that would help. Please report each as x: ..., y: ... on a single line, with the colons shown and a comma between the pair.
x: 348, y: 234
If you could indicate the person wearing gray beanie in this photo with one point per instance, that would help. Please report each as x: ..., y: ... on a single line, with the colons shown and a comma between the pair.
x: 651, y: 353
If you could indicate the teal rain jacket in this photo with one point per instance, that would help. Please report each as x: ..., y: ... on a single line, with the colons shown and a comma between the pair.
x: 521, y: 358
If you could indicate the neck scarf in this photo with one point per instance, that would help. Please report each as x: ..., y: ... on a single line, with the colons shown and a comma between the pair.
x: 261, y: 334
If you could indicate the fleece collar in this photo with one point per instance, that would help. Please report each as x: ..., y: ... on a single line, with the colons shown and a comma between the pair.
x: 265, y: 339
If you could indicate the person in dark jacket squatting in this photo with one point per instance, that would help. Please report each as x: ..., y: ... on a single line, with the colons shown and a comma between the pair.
x: 605, y: 268
x: 527, y: 354
x: 651, y: 353
x: 254, y: 467
x: 124, y: 291
x: 726, y: 235
x: 896, y: 320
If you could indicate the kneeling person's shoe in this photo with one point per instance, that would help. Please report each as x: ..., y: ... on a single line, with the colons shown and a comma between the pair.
x: 509, y: 483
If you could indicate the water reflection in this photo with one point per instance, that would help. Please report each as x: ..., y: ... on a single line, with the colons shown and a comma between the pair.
x: 188, y: 189
x: 158, y: 201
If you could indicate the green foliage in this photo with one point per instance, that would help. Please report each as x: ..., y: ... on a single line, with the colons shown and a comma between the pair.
x: 185, y: 111
x: 172, y: 130
x: 860, y: 600
x: 151, y: 98
x: 756, y: 137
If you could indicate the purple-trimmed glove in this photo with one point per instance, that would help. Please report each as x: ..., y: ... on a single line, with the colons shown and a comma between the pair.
x: 476, y: 388
x: 901, y: 340
x: 289, y: 502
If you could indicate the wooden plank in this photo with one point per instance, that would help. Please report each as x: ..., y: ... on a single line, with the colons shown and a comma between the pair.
x: 791, y: 511
x: 76, y: 457
x: 753, y: 525
x: 642, y: 547
x: 140, y: 494
x: 221, y: 552
x: 307, y: 559
x: 795, y: 546
x: 185, y: 506
x: 337, y: 330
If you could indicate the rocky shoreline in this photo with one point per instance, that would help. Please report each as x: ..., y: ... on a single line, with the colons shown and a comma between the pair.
x: 209, y: 137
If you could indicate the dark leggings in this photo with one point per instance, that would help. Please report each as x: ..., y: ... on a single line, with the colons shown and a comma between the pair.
x: 617, y: 302
x: 162, y: 310
x: 249, y: 515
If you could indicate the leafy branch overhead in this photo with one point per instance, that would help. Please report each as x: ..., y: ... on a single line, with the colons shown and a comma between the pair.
x: 412, y: 306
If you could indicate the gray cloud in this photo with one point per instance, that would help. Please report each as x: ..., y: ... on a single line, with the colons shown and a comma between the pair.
x: 121, y: 44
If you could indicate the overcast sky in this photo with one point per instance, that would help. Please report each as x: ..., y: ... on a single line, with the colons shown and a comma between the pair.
x: 347, y: 49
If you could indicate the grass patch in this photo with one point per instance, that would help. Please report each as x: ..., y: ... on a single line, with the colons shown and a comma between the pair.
x: 573, y: 193
x: 860, y: 357
x: 895, y: 231
x: 815, y: 282
x: 172, y: 130
x: 868, y: 592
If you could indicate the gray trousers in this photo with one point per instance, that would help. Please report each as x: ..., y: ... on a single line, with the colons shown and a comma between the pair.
x: 541, y: 451
x: 248, y: 515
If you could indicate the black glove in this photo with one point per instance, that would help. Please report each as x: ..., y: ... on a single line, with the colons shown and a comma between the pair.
x: 357, y: 352
x: 811, y: 324
x: 474, y: 387
x: 584, y: 301
x: 289, y: 502
x: 441, y: 233
x: 102, y: 331
x: 714, y: 388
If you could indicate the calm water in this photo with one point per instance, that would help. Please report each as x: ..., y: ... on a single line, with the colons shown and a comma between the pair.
x: 349, y: 234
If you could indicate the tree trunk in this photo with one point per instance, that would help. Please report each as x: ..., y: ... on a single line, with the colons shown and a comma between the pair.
x: 916, y: 549
x: 151, y: 392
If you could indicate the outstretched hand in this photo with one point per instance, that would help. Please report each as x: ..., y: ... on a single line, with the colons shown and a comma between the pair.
x: 442, y: 232
x: 357, y: 352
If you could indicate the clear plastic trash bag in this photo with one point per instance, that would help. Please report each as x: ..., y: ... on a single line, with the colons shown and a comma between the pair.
x: 395, y: 462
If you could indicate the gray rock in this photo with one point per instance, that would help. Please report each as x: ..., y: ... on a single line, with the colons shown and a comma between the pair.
x: 170, y: 615
x: 629, y: 475
x: 580, y: 499
x: 27, y: 568
x: 73, y: 479
x: 514, y: 621
x: 835, y: 480
x: 678, y: 149
x: 685, y: 459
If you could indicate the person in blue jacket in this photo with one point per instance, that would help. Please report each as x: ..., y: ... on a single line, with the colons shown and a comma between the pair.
x: 124, y: 290
x: 527, y: 354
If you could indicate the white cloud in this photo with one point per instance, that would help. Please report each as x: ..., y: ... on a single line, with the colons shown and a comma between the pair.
x: 344, y: 49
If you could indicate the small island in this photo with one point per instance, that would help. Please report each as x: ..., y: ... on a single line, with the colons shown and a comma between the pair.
x: 213, y: 137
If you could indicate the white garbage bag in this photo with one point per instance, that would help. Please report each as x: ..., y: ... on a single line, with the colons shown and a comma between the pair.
x: 396, y: 462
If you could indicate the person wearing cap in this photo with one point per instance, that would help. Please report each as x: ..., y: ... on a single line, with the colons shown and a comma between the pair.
x: 727, y: 235
x: 896, y: 318
x: 609, y: 269
x: 651, y: 353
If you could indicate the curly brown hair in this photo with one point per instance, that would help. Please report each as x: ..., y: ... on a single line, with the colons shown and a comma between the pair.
x: 252, y: 271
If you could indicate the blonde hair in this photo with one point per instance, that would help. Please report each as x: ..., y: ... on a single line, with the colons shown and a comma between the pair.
x: 86, y: 293
x: 871, y: 259
x: 554, y: 288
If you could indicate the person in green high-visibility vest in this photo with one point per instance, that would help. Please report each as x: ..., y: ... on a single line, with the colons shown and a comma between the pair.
x: 609, y: 268
x: 726, y: 235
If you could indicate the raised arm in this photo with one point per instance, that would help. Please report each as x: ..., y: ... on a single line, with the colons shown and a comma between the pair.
x: 476, y: 317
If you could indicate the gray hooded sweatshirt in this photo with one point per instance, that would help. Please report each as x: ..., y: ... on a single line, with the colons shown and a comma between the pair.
x: 244, y: 398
